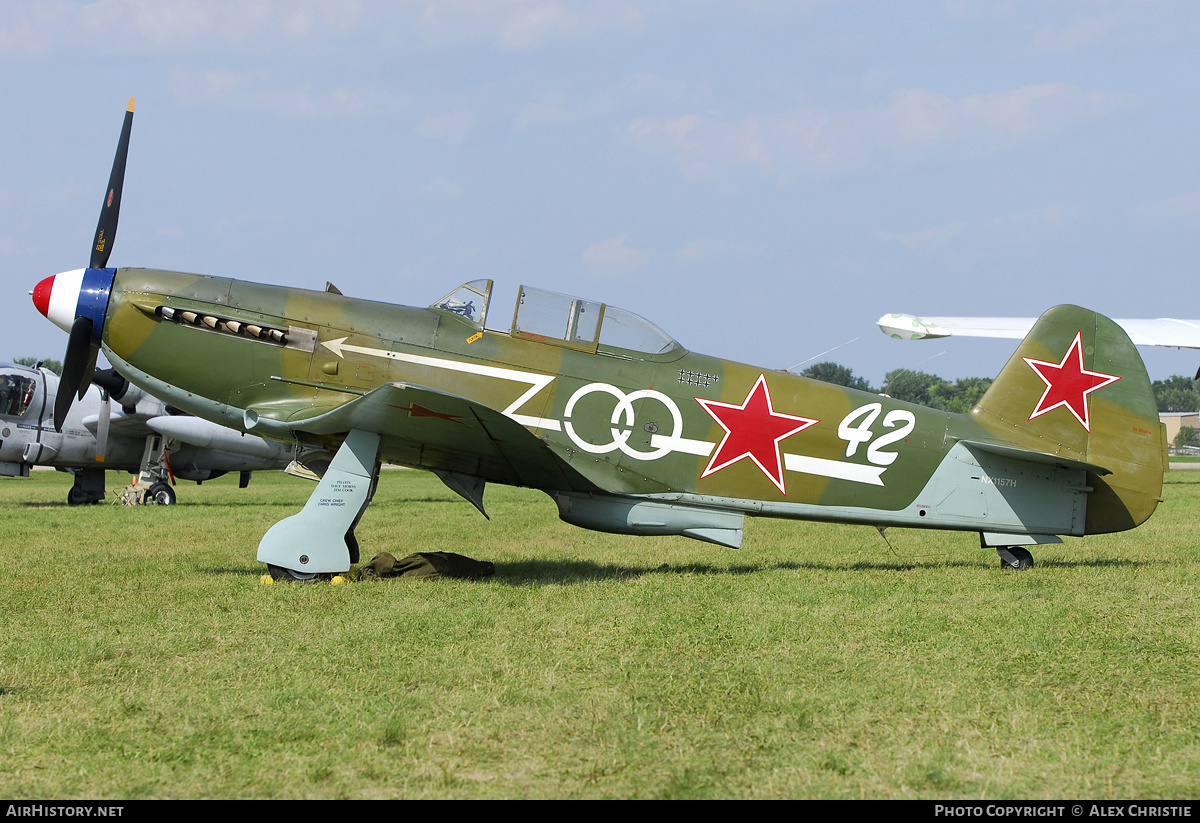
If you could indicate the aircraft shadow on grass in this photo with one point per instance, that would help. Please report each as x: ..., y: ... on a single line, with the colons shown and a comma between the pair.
x: 560, y: 573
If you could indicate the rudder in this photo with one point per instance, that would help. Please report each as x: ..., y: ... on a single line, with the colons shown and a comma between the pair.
x: 1077, y: 387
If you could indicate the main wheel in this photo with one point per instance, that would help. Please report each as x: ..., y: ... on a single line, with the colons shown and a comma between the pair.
x: 280, y: 573
x: 161, y: 494
x: 77, y: 496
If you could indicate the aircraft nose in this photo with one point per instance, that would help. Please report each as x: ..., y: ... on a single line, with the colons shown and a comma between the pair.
x: 57, y: 297
x: 41, y: 295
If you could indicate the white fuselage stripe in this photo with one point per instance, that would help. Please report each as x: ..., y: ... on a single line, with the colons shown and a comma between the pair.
x: 536, y: 382
x: 854, y: 472
x: 836, y: 469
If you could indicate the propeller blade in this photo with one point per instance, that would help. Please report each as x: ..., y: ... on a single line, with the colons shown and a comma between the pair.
x: 89, y: 372
x: 75, y: 368
x: 106, y: 228
x: 102, y: 426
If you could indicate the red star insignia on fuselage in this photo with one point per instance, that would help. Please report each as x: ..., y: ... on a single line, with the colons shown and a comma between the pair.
x: 753, y: 429
x: 1068, y: 383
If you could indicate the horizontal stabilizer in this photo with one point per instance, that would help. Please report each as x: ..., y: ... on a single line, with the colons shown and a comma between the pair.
x: 991, y: 540
x: 1014, y: 453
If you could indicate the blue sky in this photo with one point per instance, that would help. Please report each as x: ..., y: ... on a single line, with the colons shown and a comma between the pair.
x: 761, y: 179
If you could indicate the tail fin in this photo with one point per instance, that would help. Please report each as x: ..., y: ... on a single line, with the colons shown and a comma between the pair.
x: 1077, y: 387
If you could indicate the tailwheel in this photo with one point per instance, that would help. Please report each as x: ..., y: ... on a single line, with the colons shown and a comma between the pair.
x: 1015, y: 557
x: 279, y: 573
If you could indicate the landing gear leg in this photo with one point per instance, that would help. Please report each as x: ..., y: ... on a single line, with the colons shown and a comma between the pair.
x: 155, y: 472
x: 320, y: 539
x: 1015, y: 557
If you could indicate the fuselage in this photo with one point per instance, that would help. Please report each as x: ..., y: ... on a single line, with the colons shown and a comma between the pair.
x: 630, y: 422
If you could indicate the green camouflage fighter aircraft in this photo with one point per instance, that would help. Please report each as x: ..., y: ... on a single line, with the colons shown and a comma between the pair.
x: 624, y: 428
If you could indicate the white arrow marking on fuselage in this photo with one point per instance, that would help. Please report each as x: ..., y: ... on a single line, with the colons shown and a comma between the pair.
x: 536, y: 382
x: 836, y: 469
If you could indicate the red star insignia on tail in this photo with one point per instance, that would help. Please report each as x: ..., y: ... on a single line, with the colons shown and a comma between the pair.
x: 753, y: 430
x: 1068, y: 383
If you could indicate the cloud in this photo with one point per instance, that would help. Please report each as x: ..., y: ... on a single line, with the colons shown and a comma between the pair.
x: 32, y: 31
x: 556, y: 110
x: 913, y: 123
x: 1181, y: 205
x: 928, y: 238
x: 636, y: 89
x: 808, y: 138
x: 451, y: 128
x: 1018, y: 227
x: 442, y: 189
x: 917, y: 117
x: 253, y: 90
x: 1081, y: 32
x: 701, y: 249
x: 1052, y: 216
x: 614, y: 253
x: 523, y: 24
x: 131, y: 26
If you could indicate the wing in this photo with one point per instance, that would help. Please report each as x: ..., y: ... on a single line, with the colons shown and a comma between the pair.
x: 431, y: 429
x: 1165, y: 331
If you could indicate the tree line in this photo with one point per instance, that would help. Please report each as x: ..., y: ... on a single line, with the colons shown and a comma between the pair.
x: 910, y: 386
x: 51, y: 364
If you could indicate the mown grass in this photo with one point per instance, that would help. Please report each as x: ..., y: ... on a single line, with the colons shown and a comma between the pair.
x: 141, y: 658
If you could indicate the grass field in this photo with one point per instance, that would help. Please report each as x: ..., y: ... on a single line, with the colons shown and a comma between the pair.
x: 141, y: 658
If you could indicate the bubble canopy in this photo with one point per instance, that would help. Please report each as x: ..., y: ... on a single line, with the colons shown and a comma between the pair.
x: 563, y: 320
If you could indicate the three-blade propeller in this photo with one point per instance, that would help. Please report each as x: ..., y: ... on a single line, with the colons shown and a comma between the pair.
x: 79, y: 364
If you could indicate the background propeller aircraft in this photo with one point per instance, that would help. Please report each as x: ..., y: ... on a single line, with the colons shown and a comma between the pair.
x: 624, y: 428
x: 140, y: 435
x: 1164, y: 331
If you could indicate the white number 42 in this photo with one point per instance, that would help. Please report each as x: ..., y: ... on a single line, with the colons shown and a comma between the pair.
x: 855, y: 429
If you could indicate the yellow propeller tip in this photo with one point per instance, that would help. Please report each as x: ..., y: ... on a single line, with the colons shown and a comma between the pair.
x: 130, y: 106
